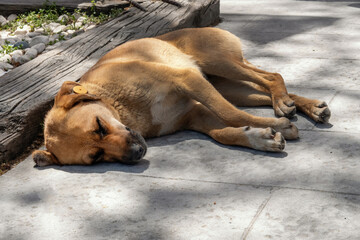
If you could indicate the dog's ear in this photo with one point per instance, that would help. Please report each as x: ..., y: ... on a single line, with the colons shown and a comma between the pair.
x: 72, y: 93
x: 43, y: 158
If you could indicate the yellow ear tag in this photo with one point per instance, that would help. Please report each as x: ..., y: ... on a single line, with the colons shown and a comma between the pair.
x: 79, y: 90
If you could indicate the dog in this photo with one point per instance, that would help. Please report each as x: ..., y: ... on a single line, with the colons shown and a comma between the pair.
x: 186, y: 79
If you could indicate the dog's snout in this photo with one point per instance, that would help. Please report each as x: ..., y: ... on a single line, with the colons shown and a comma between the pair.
x: 138, y: 151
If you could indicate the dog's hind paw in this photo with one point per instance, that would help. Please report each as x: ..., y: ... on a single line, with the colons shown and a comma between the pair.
x: 266, y: 139
x: 320, y: 112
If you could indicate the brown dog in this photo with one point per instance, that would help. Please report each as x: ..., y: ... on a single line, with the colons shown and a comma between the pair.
x: 187, y: 79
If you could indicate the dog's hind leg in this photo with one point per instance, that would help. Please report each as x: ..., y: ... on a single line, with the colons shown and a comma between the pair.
x: 246, y: 94
x: 201, y: 119
x: 219, y: 53
x: 315, y: 109
x: 237, y: 70
x: 195, y: 86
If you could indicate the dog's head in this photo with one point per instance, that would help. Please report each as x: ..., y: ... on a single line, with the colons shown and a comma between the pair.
x: 82, y: 129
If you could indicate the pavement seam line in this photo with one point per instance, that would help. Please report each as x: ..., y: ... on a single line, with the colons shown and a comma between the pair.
x: 258, y: 213
x: 250, y: 185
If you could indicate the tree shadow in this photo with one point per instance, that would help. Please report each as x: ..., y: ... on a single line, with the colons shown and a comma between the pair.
x: 355, y: 5
x: 254, y: 27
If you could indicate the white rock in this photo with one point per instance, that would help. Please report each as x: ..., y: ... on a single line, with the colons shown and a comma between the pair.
x: 2, y: 72
x: 39, y: 30
x: 31, y: 53
x: 5, y: 58
x: 2, y: 19
x: 5, y: 66
x: 53, y: 25
x: 4, y: 34
x: 59, y: 29
x: 33, y: 34
x: 16, y: 52
x: 39, y: 47
x: 20, y: 32
x: 12, y: 17
x: 70, y: 31
x: 63, y: 18
x: 39, y: 39
x: 81, y: 19
x: 78, y: 24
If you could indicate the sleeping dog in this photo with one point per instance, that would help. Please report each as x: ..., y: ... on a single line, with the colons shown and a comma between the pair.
x: 186, y: 79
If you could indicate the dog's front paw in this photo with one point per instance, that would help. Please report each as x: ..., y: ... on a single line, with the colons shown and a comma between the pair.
x: 266, y: 139
x: 284, y: 107
x: 320, y: 112
x: 287, y: 128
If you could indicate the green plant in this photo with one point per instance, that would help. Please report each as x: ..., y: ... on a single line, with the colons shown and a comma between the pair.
x: 6, y: 49
x: 61, y: 37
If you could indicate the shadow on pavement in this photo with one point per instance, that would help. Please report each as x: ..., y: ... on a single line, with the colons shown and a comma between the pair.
x: 254, y: 26
x: 102, y: 168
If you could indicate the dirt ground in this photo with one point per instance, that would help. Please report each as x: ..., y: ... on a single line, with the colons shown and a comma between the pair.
x: 6, y: 166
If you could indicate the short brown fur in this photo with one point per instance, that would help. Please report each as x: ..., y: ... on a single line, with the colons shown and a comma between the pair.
x: 186, y: 79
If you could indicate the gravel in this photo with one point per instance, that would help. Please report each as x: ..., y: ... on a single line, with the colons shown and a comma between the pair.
x: 32, y: 42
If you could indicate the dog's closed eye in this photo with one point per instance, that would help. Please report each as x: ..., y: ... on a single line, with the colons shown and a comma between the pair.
x: 101, y: 129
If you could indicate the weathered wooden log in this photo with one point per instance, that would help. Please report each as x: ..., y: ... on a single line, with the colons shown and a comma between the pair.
x: 27, y: 92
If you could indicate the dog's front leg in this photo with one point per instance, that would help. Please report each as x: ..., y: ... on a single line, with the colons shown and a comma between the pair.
x: 201, y: 119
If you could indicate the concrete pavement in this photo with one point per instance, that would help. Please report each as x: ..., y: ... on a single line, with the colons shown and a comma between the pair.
x: 190, y: 187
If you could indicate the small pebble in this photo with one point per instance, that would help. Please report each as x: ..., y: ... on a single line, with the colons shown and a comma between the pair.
x: 59, y: 29
x: 63, y: 18
x: 39, y: 47
x: 31, y: 53
x: 78, y: 24
x: 15, y: 58
x: 5, y: 58
x: 39, y: 30
x: 39, y: 39
x: 33, y: 34
x: 24, y: 59
x: 52, y: 26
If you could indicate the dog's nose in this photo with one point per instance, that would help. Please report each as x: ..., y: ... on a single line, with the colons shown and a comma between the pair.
x: 137, y: 151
